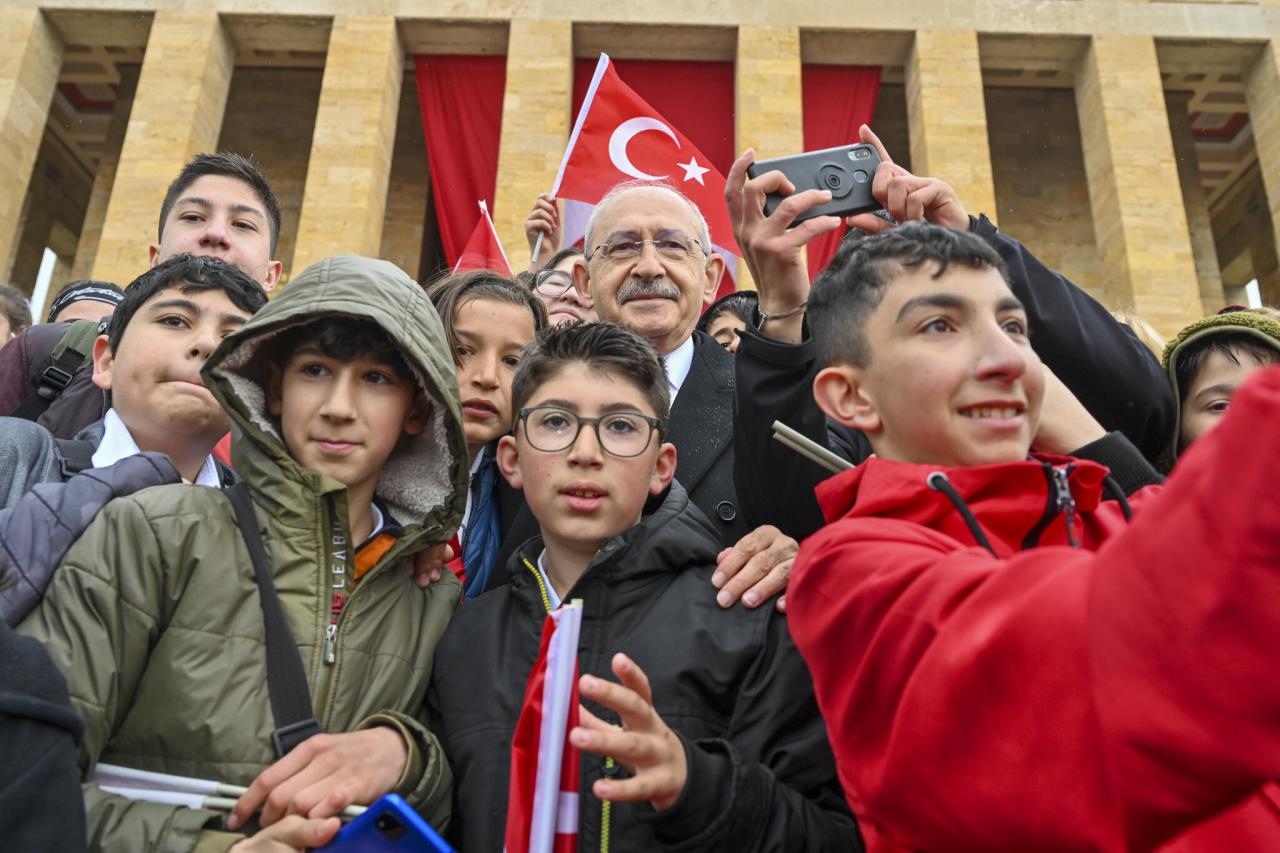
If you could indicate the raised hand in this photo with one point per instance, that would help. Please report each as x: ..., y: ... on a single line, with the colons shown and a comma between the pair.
x: 645, y: 745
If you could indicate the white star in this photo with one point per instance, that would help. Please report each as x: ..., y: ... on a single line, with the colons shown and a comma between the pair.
x: 694, y: 172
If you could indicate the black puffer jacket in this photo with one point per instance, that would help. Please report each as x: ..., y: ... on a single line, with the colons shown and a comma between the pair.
x: 729, y: 682
x: 41, y: 807
x: 38, y: 530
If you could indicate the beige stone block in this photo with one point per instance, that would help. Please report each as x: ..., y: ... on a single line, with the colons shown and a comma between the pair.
x: 535, y: 125
x: 1196, y: 202
x: 96, y: 213
x: 768, y: 107
x: 346, y: 192
x: 1263, y: 93
x: 402, y: 230
x: 947, y: 116
x: 1139, y: 219
x: 30, y: 58
x: 177, y: 113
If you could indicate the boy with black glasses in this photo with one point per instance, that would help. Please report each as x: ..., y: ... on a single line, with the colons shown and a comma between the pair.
x: 721, y: 746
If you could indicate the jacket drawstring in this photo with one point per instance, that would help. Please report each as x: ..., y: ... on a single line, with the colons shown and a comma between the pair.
x: 1113, y: 489
x: 939, y: 483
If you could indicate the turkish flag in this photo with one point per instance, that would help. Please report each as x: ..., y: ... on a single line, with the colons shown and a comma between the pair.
x: 483, y: 250
x: 619, y: 137
x: 542, y: 801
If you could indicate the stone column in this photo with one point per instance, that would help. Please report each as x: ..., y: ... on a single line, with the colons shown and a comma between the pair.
x: 1199, y: 227
x: 177, y: 113
x: 1139, y: 219
x: 30, y: 59
x: 768, y: 102
x: 1264, y: 114
x: 947, y: 116
x: 536, y: 104
x: 103, y: 180
x: 346, y: 192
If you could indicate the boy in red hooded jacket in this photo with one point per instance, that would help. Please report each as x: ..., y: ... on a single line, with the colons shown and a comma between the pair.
x: 1004, y: 660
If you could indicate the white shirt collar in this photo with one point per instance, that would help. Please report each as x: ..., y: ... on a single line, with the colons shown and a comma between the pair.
x: 678, y: 364
x: 117, y: 443
x: 552, y: 598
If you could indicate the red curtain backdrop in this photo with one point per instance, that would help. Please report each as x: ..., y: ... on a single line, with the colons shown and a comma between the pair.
x: 461, y: 103
x: 836, y: 100
x: 697, y: 97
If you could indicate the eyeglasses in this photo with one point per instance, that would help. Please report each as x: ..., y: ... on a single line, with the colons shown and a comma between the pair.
x: 552, y: 283
x: 672, y: 247
x: 552, y: 429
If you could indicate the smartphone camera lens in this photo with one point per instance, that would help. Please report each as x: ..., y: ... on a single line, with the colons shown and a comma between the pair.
x: 860, y: 176
x: 859, y: 154
x: 835, y: 178
x: 390, y: 828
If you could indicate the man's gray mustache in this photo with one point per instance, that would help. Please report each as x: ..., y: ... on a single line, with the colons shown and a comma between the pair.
x: 642, y: 288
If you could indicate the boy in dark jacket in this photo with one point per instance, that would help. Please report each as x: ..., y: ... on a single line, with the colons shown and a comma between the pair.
x: 721, y: 747
x: 1003, y: 661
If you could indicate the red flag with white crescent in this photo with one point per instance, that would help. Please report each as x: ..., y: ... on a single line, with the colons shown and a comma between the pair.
x: 619, y: 137
x: 542, y: 802
x: 483, y: 250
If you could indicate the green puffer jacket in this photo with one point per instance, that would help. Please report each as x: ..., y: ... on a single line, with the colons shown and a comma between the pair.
x: 156, y: 621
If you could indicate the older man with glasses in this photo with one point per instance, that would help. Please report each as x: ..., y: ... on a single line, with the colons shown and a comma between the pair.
x: 649, y: 266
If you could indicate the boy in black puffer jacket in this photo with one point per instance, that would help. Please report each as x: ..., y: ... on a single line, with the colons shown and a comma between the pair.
x: 723, y: 747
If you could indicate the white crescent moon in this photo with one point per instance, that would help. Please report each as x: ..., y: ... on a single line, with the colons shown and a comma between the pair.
x: 622, y: 135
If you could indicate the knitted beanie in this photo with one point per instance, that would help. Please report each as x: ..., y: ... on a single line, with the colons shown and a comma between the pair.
x: 1266, y: 330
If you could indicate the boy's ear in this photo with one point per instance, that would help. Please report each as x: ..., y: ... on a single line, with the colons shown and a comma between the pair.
x: 273, y: 380
x: 419, y: 414
x: 508, y: 460
x: 664, y: 469
x: 103, y: 361
x: 840, y: 393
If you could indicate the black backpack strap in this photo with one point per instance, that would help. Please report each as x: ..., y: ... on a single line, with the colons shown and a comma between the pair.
x: 286, y: 676
x: 77, y: 456
x: 72, y: 352
x: 53, y: 381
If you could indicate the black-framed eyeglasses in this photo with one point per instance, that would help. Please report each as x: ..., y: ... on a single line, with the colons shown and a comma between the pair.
x: 552, y: 283
x: 552, y: 429
x: 673, y: 246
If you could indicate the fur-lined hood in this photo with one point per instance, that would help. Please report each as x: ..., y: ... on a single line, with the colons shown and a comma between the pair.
x: 424, y: 482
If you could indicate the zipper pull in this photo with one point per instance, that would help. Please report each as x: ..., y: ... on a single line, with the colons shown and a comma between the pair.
x: 1066, y: 502
x: 331, y: 644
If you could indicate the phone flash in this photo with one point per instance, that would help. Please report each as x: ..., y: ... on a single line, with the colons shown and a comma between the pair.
x: 859, y: 154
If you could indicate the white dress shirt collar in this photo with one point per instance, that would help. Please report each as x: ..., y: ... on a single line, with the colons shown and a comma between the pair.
x: 117, y: 443
x: 678, y: 364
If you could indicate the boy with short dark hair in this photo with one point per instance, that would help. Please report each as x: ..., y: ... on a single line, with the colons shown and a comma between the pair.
x: 1003, y: 660
x: 723, y: 748
x: 149, y: 361
x: 350, y: 444
x: 219, y: 205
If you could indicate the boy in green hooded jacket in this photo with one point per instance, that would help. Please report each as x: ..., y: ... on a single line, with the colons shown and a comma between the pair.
x: 349, y: 437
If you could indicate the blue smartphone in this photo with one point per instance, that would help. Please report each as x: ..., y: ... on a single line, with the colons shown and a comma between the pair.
x: 389, y: 826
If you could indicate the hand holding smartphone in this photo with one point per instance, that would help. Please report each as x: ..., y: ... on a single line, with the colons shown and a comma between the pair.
x: 847, y: 172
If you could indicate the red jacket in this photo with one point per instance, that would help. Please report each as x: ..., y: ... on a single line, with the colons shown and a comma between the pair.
x: 1105, y: 697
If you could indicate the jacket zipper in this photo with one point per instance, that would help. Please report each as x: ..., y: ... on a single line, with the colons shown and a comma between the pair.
x: 1066, y: 502
x: 473, y: 497
x: 610, y: 766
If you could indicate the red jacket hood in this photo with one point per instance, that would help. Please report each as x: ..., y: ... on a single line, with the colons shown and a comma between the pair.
x: 1008, y: 499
